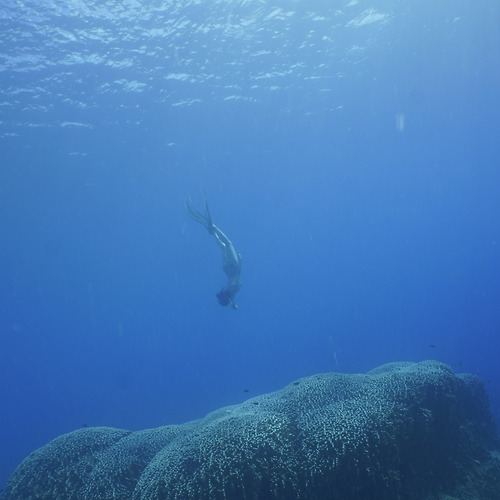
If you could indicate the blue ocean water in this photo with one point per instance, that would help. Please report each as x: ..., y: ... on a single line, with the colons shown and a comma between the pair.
x: 349, y: 149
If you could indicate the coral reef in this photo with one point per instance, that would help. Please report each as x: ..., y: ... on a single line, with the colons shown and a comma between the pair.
x: 403, y: 430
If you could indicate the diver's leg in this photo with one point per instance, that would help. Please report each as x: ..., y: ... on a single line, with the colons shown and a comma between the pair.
x: 230, y: 257
x: 215, y: 232
x: 221, y: 236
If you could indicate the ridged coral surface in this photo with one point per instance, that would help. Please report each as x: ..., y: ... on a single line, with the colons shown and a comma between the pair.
x: 403, y: 430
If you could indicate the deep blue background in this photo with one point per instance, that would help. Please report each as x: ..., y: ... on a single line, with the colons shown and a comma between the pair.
x: 363, y: 241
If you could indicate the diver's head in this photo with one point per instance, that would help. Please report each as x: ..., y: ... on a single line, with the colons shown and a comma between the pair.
x: 224, y: 297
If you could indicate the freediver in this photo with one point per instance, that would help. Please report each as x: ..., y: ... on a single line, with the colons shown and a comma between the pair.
x: 231, y: 261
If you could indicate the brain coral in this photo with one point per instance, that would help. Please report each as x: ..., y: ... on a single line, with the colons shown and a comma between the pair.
x: 404, y: 430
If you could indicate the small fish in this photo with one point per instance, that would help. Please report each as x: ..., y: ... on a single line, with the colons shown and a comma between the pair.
x: 246, y: 390
x: 433, y: 346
